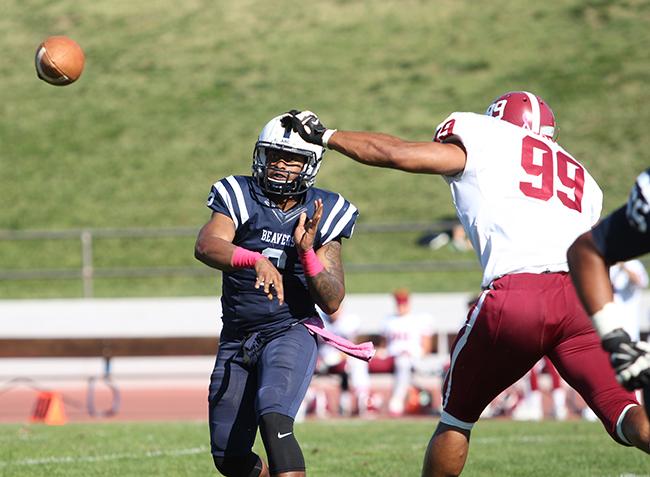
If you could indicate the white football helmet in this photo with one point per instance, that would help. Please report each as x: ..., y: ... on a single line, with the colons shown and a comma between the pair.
x: 275, y: 136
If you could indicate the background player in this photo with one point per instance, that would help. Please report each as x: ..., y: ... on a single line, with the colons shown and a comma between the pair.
x: 628, y: 279
x: 277, y: 240
x: 622, y: 235
x: 408, y: 339
x: 522, y: 200
x: 353, y: 373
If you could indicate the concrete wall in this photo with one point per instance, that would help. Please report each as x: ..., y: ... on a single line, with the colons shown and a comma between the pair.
x: 192, y: 316
x: 200, y: 316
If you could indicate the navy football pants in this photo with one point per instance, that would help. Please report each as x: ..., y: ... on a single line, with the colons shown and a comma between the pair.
x: 240, y: 396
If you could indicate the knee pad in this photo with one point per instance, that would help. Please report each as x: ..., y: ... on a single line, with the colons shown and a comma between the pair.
x: 249, y: 466
x: 280, y: 443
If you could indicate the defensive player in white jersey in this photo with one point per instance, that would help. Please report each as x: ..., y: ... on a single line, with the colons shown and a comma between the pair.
x: 522, y: 200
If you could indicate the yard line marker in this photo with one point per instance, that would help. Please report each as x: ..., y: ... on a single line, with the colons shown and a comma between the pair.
x: 103, y: 458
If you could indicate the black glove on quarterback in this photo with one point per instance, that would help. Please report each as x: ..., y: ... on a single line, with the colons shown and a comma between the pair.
x: 308, y: 126
x: 630, y: 360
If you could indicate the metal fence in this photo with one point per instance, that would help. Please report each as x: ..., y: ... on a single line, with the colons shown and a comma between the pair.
x: 88, y: 272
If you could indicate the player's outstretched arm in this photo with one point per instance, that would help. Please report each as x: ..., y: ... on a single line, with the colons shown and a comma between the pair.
x: 380, y: 150
x: 323, y: 268
x: 383, y: 150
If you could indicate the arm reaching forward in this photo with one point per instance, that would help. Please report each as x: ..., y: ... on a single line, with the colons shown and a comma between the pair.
x: 382, y: 150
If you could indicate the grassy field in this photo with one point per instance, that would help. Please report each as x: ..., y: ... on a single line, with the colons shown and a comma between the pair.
x: 175, y: 93
x: 422, y: 275
x: 333, y: 448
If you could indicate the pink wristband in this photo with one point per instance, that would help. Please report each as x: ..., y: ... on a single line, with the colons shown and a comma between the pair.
x: 311, y: 263
x: 243, y: 258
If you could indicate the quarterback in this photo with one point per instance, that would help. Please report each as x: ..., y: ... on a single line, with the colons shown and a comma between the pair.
x: 522, y: 199
x: 277, y: 240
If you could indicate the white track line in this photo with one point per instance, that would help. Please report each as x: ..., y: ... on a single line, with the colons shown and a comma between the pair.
x: 104, y: 457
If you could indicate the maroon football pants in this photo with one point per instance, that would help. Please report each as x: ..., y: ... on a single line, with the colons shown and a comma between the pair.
x: 520, y: 319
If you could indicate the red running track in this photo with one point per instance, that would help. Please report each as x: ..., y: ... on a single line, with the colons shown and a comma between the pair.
x: 158, y: 402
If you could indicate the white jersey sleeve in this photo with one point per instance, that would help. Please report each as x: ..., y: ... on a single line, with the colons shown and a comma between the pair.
x: 521, y: 198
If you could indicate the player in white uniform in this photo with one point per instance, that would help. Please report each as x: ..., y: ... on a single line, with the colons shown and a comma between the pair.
x: 522, y: 200
x: 408, y: 339
x: 512, y: 182
x: 628, y: 279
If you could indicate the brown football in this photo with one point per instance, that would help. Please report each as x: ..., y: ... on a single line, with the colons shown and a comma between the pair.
x: 59, y: 60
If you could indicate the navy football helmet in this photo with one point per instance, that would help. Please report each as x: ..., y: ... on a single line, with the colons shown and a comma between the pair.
x: 275, y: 136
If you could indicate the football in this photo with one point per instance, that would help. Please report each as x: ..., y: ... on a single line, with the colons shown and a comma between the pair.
x: 59, y: 60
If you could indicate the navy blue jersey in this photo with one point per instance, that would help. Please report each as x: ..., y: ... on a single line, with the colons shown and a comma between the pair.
x: 625, y: 233
x: 262, y: 227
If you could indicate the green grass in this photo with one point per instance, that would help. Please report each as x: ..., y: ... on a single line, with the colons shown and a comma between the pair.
x: 175, y: 93
x: 331, y: 448
x: 428, y: 270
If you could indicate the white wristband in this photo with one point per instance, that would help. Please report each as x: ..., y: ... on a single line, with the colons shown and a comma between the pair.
x: 327, y: 135
x: 607, y: 319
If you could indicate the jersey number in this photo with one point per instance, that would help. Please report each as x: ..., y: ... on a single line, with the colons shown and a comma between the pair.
x: 279, y: 256
x: 539, y: 160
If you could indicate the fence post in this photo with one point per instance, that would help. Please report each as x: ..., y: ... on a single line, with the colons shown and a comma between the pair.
x: 87, y: 270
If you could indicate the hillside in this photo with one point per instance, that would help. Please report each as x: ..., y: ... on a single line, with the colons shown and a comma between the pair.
x: 175, y: 93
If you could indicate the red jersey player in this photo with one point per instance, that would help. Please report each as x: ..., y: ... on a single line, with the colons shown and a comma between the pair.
x: 522, y: 200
